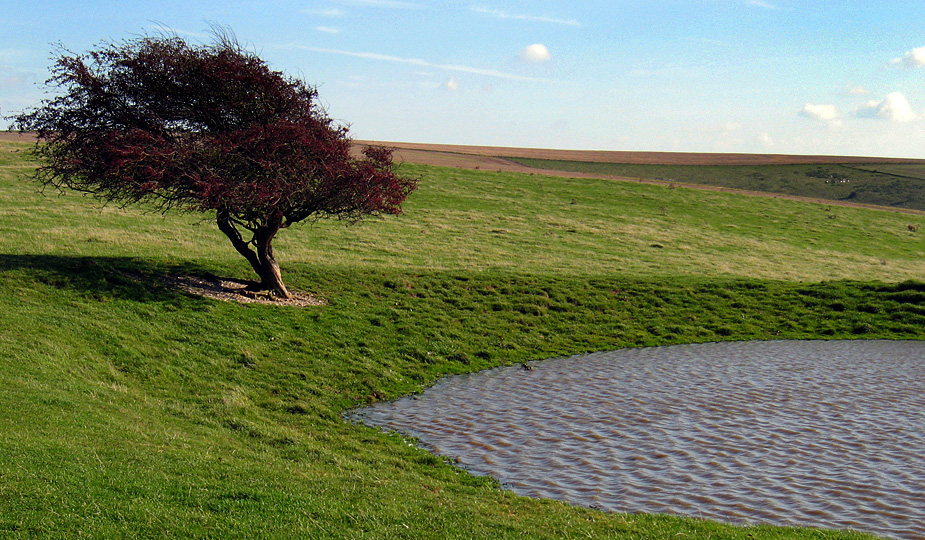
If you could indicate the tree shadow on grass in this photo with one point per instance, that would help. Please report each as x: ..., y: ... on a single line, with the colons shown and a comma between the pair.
x: 125, y: 278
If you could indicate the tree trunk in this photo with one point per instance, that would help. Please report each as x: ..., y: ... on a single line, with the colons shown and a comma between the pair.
x: 270, y: 276
x: 262, y: 260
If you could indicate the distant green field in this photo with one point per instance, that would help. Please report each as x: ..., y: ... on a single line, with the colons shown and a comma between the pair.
x: 134, y: 410
x: 899, y: 185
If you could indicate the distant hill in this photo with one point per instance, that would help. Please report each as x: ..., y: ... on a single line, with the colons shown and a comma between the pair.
x: 896, y: 184
x: 420, y: 153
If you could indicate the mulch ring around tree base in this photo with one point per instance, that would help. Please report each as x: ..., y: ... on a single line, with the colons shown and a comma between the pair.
x: 236, y: 291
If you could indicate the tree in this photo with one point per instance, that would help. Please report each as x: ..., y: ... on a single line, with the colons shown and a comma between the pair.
x: 206, y: 128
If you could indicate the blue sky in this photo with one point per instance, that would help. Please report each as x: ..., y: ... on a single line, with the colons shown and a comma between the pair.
x: 767, y: 76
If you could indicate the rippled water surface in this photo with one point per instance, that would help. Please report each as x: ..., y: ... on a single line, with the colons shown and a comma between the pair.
x: 810, y: 433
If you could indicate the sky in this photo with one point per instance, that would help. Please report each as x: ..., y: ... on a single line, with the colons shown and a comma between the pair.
x: 753, y: 76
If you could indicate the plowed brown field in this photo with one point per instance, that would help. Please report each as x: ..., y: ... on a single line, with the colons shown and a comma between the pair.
x: 16, y: 137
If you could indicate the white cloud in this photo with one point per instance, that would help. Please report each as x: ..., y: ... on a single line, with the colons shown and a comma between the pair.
x: 913, y: 59
x: 519, y: 17
x: 451, y: 84
x: 858, y: 91
x: 423, y: 63
x: 327, y: 29
x: 535, y: 53
x: 761, y: 4
x: 824, y: 113
x: 894, y: 107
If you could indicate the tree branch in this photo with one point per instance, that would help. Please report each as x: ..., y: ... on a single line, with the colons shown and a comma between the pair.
x: 227, y: 226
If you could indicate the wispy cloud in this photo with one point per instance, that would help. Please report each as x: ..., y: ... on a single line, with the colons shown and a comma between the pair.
x: 176, y: 31
x: 500, y: 14
x: 761, y: 4
x: 390, y: 4
x: 327, y: 29
x: 12, y: 79
x: 11, y: 55
x: 333, y: 12
x: 424, y: 63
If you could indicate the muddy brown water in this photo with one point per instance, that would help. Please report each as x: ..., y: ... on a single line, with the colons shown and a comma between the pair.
x: 804, y: 433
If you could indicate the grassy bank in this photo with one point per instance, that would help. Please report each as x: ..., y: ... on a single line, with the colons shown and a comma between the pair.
x: 136, y: 410
x: 891, y: 185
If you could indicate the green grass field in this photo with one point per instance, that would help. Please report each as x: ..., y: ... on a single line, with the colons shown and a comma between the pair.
x: 134, y: 410
x: 892, y: 185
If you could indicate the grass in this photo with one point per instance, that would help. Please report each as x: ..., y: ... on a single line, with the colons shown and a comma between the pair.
x: 135, y: 410
x: 893, y: 185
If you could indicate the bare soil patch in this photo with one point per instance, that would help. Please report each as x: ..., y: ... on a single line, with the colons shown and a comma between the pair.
x: 229, y: 290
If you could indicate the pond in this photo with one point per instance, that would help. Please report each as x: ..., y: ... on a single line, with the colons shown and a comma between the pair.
x: 804, y: 433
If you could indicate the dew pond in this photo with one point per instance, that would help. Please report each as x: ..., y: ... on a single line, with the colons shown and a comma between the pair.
x: 805, y: 433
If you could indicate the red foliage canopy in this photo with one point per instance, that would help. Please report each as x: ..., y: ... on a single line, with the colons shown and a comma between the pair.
x: 209, y: 128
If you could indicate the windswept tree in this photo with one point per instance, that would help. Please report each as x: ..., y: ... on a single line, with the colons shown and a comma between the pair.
x: 207, y: 128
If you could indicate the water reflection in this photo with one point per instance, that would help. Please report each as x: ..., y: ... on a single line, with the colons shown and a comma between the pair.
x: 810, y: 433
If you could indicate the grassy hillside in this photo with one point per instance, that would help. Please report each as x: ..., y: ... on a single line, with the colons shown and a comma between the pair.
x: 894, y: 185
x: 135, y: 410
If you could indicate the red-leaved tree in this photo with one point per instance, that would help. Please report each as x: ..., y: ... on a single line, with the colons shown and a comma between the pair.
x: 210, y: 129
